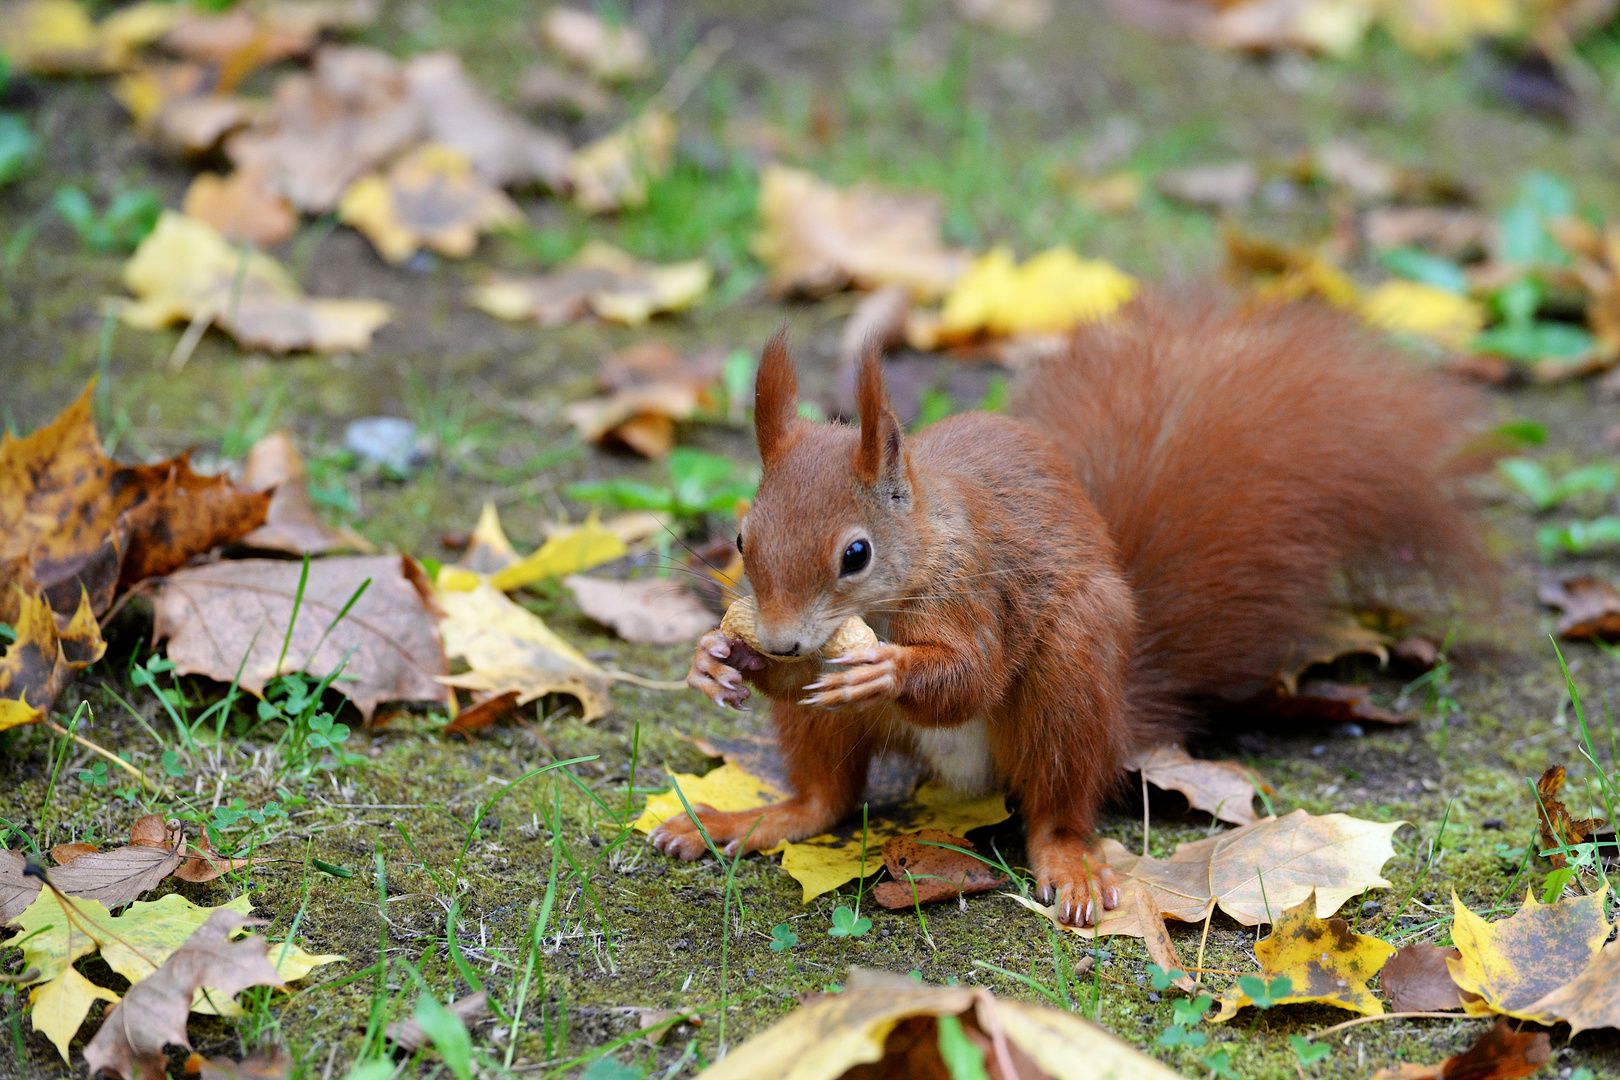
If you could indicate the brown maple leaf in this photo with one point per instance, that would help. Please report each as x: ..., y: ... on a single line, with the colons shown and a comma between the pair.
x: 1417, y: 979
x: 1500, y: 1054
x: 1558, y: 828
x: 924, y: 872
x: 153, y: 1013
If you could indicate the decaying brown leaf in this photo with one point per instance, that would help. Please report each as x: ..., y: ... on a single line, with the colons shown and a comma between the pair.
x: 330, y: 127
x: 1513, y: 965
x: 1229, y: 186
x: 1323, y: 961
x: 291, y: 524
x: 269, y: 1064
x: 507, y: 647
x: 548, y: 88
x: 613, y: 172
x: 16, y: 890
x: 1325, y: 701
x: 924, y: 872
x: 1223, y: 789
x: 184, y: 105
x: 186, y: 271
x: 816, y: 239
x: 1499, y: 1054
x: 243, y: 206
x: 654, y: 611
x: 48, y: 648
x: 504, y: 150
x: 1557, y: 828
x: 230, y: 617
x: 1256, y: 872
x: 407, y: 1034
x: 1587, y: 607
x: 1448, y: 231
x: 1417, y: 979
x: 651, y: 388
x: 429, y: 198
x: 587, y: 41
x: 153, y: 1013
x: 600, y: 280
x: 884, y: 1026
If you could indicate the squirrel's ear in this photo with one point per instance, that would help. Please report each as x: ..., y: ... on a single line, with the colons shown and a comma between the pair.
x: 879, y: 455
x: 776, y: 399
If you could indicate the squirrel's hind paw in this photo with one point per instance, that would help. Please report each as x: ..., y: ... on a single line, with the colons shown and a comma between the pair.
x: 1077, y: 882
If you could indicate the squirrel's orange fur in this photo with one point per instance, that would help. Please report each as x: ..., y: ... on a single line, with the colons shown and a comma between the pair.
x: 1154, y: 528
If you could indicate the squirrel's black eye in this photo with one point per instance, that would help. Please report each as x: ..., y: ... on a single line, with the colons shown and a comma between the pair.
x: 856, y: 556
x: 739, y: 543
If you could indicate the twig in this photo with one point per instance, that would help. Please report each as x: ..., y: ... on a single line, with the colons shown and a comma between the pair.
x: 691, y: 72
x: 190, y: 339
x: 1204, y: 939
x: 1394, y: 1016
x: 642, y: 681
x: 108, y: 754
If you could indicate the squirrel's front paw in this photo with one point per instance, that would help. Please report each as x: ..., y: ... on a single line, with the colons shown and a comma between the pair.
x: 1075, y: 880
x: 720, y: 680
x: 872, y: 675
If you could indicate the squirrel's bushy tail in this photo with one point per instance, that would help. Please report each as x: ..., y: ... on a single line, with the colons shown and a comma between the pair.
x: 1243, y: 457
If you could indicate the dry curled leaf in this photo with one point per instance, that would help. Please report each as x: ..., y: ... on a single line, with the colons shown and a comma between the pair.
x: 242, y: 206
x: 429, y: 198
x: 1417, y: 979
x: 600, y: 280
x: 1557, y: 828
x: 184, y: 105
x: 225, y: 618
x: 1256, y: 872
x: 504, y: 150
x: 291, y: 524
x: 1499, y: 1054
x: 884, y: 1025
x: 1587, y: 607
x: 47, y: 650
x: 507, y: 647
x: 613, y: 172
x: 328, y: 128
x: 1512, y: 964
x: 1323, y: 961
x: 816, y: 239
x: 586, y: 40
x: 153, y: 1013
x: 186, y: 271
x: 1223, y: 789
x: 407, y: 1034
x: 924, y: 872
x: 654, y: 611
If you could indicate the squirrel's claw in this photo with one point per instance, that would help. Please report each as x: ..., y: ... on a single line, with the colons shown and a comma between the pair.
x: 719, y: 681
x: 872, y: 675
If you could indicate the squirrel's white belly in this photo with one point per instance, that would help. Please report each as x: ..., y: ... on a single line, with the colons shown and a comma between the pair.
x: 959, y: 756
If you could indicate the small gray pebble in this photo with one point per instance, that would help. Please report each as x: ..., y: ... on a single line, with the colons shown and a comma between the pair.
x: 1495, y: 823
x: 1318, y: 751
x: 1371, y: 907
x: 387, y: 441
x: 1153, y: 996
x: 1348, y: 731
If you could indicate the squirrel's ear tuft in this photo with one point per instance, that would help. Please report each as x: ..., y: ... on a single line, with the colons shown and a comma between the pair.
x: 879, y: 455
x: 776, y: 399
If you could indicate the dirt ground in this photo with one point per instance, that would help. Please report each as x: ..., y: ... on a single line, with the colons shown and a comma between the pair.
x: 907, y: 95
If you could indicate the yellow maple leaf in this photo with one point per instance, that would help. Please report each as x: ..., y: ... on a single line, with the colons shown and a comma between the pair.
x: 1322, y: 960
x: 1432, y: 27
x: 1052, y: 292
x: 729, y: 787
x: 1513, y: 964
x: 429, y: 198
x: 1413, y: 307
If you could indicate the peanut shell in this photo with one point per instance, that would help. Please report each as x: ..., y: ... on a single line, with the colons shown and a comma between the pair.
x: 852, y: 634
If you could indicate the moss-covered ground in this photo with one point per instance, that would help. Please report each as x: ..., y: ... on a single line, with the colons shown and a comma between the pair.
x: 429, y: 835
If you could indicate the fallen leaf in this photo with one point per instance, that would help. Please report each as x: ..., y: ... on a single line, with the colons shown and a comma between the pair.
x: 54, y: 37
x: 1228, y: 186
x: 242, y: 39
x: 429, y: 198
x: 1499, y: 1054
x: 1008, y: 16
x: 1556, y: 827
x: 569, y: 550
x: 613, y: 172
x: 816, y: 239
x: 1448, y: 231
x: 230, y: 617
x: 291, y: 524
x: 184, y: 105
x: 118, y: 876
x: 924, y: 872
x: 328, y: 128
x: 1412, y: 307
x: 270, y: 1064
x: 883, y: 1025
x: 642, y: 418
x: 186, y: 271
x: 653, y: 611
x: 1051, y: 293
x: 1283, y: 273
x: 16, y: 890
x: 1256, y: 872
x: 1223, y: 789
x: 1588, y: 607
x: 547, y: 88
x: 481, y: 714
x: 407, y: 1034
x: 507, y: 647
x: 1323, y: 701
x: 153, y: 1013
x: 1335, y: 638
x: 1323, y: 961
x: 504, y: 150
x: 37, y: 665
x: 243, y: 206
x: 66, y: 853
x: 599, y: 280
x: 1433, y: 27
x: 586, y: 40
x: 1113, y: 194
x: 1416, y: 979
x: 1512, y: 964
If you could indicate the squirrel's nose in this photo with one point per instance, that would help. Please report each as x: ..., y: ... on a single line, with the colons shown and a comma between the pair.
x: 780, y: 646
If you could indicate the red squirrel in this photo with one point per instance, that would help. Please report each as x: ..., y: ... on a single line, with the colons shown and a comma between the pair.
x: 1153, y: 528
